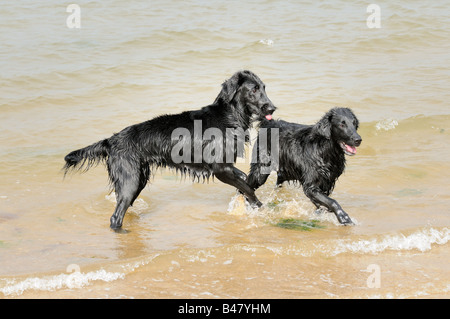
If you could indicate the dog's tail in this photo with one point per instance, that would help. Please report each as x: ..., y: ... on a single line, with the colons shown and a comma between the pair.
x: 84, y: 158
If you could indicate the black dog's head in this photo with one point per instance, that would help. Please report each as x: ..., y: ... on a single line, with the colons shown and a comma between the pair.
x: 340, y: 125
x: 246, y: 91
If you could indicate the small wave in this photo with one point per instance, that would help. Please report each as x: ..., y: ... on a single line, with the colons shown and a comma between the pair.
x: 73, y: 280
x: 421, y: 240
x: 420, y: 122
x: 268, y: 42
x: 386, y: 125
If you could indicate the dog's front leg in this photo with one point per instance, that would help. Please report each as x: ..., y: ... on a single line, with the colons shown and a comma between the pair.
x: 280, y: 179
x: 318, y: 197
x: 232, y: 176
x: 239, y: 173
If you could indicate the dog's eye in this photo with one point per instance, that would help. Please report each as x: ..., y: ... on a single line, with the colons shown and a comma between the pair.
x: 343, y: 125
x: 256, y: 88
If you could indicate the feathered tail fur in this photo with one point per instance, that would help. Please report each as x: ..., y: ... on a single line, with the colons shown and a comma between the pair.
x: 84, y: 158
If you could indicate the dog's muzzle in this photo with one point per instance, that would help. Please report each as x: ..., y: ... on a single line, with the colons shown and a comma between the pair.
x: 268, y: 110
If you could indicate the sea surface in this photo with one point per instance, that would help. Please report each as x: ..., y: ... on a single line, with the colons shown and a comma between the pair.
x: 64, y: 87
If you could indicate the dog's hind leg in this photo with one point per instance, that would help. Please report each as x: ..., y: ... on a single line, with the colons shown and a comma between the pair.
x: 232, y: 176
x: 129, y: 179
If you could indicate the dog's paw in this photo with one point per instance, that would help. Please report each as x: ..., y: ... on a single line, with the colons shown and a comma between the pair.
x: 256, y: 204
x: 343, y: 218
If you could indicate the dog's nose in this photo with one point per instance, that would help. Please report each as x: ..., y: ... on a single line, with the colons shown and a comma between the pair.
x: 357, y: 140
x: 269, y: 108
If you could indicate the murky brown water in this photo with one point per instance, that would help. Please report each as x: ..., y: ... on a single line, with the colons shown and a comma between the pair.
x: 63, y: 88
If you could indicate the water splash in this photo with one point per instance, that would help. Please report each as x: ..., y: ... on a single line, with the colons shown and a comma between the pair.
x: 276, y: 208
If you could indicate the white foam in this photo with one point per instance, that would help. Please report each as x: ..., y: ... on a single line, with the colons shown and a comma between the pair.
x: 132, y: 266
x: 73, y: 280
x: 421, y: 240
x: 267, y: 42
x: 201, y: 255
x: 386, y: 125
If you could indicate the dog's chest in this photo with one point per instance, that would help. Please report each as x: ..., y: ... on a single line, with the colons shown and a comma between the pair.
x: 328, y: 170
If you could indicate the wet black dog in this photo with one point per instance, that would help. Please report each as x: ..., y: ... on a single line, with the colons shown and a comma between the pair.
x: 313, y: 155
x: 199, y: 143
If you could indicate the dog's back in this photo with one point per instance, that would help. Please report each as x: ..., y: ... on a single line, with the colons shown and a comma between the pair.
x: 282, y: 125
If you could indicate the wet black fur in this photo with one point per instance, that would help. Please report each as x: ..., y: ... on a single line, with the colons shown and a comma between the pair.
x: 311, y: 155
x: 132, y: 154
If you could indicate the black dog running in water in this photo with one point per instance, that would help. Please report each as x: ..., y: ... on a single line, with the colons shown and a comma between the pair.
x: 179, y: 141
x: 313, y: 155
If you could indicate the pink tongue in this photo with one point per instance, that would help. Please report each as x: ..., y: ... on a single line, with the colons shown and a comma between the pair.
x: 350, y: 149
x: 268, y: 117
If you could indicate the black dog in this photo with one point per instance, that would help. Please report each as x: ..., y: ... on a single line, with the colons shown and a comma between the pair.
x: 179, y: 141
x: 313, y: 155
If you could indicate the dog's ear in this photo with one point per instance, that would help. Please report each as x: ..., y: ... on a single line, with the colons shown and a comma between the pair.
x: 355, y: 118
x: 231, y: 86
x: 323, y: 127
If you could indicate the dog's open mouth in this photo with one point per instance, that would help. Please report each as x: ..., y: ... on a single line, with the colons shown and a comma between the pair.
x: 267, y: 111
x: 348, y: 150
x: 268, y: 116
